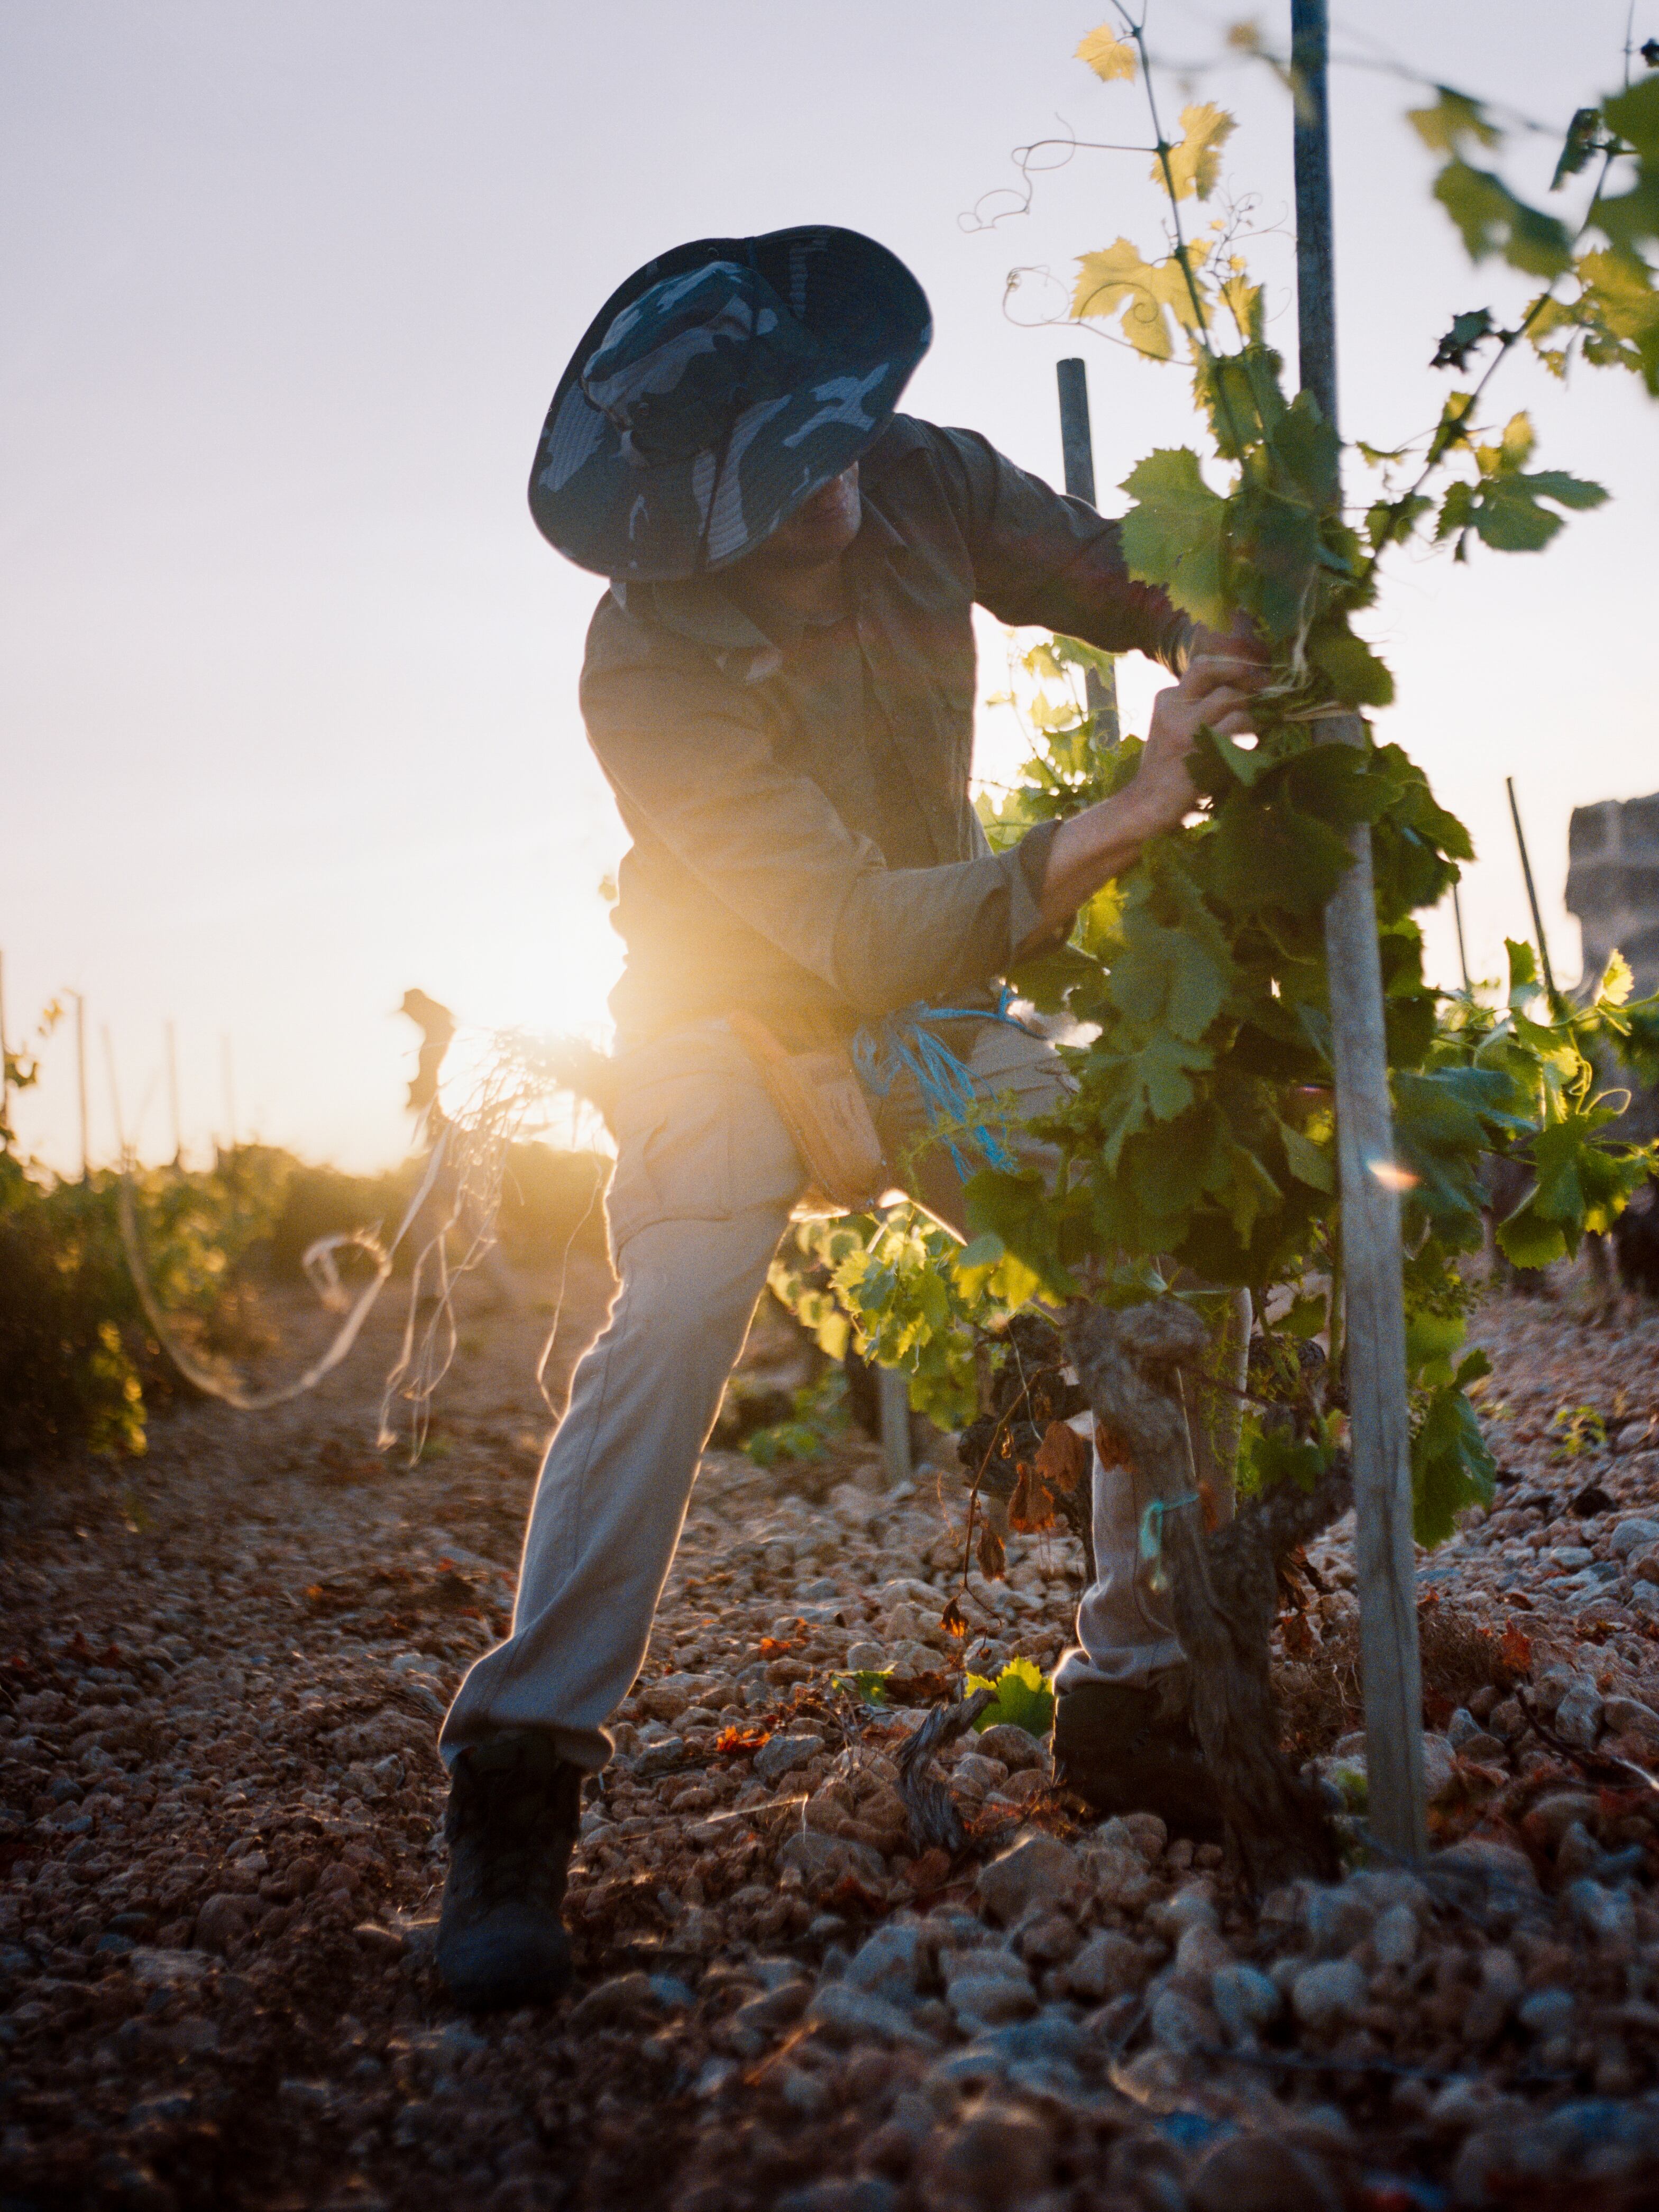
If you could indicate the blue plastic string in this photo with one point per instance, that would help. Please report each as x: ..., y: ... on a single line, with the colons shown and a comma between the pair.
x: 1151, y: 1522
x: 900, y: 1043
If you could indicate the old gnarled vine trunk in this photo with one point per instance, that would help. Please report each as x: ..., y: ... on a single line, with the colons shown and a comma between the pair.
x: 1222, y: 1585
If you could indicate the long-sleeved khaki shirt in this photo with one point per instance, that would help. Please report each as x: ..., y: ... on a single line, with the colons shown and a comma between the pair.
x: 798, y: 794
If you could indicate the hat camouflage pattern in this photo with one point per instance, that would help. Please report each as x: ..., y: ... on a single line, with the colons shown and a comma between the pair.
x: 716, y: 390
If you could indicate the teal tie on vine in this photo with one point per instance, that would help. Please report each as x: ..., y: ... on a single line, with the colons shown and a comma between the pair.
x: 899, y: 1043
x: 1151, y: 1532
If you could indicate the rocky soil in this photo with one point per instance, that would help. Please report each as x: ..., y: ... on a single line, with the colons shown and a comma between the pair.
x: 219, y: 1861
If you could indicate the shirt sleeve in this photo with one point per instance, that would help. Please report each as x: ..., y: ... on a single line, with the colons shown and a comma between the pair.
x: 1043, y: 559
x: 689, y: 758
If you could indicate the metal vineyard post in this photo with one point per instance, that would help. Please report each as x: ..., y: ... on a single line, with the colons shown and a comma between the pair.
x: 1372, y: 1276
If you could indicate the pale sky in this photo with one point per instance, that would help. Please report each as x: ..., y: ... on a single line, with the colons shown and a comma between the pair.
x: 287, y: 676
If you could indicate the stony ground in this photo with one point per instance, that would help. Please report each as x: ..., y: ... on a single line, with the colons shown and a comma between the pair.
x: 222, y: 1669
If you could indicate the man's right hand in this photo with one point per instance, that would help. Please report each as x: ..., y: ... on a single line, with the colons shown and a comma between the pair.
x: 1214, y: 694
x: 1093, y: 846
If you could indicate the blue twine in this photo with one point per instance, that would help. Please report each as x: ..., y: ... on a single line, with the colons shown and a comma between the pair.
x: 900, y: 1043
x: 1151, y: 1522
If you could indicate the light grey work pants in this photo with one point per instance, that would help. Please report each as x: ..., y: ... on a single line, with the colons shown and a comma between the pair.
x: 707, y: 1175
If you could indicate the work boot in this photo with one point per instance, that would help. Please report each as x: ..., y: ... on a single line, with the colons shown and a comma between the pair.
x: 514, y: 1809
x: 1122, y: 1748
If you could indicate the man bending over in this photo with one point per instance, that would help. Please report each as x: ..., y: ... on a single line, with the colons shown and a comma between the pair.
x: 780, y: 686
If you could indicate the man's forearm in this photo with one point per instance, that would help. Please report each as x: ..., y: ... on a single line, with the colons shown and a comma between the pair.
x: 1091, y: 848
x: 1104, y: 840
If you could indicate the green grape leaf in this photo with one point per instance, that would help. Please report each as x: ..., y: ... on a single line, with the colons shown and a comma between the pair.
x: 1271, y: 855
x: 986, y: 1268
x: 1099, y: 920
x: 1526, y: 1240
x: 866, y: 1683
x: 1468, y: 331
x: 1172, y: 536
x: 1503, y: 509
x: 1582, y: 1183
x: 1391, y: 522
x: 1248, y: 1190
x: 1355, y: 674
x: 1023, y: 1698
x: 1492, y: 220
x: 1242, y: 395
x: 1305, y: 1160
x: 1243, y: 767
x: 1451, y: 1464
x: 1078, y: 653
x: 1277, y: 549
x: 1632, y: 219
x: 1578, y: 147
x: 1047, y: 978
x: 1016, y: 1209
x: 1302, y: 444
x: 1444, y: 1119
x: 1617, y: 308
x: 1523, y: 971
x: 1267, y: 1458
x: 1416, y: 808
x: 1166, y: 979
x: 982, y: 1251
x: 1305, y: 1319
x: 1456, y: 515
x: 1340, y: 784
x: 1160, y: 1083
x: 1453, y: 428
x: 1634, y: 114
x: 1431, y: 1341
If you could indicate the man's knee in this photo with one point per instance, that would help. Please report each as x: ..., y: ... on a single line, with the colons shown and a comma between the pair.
x: 689, y: 1288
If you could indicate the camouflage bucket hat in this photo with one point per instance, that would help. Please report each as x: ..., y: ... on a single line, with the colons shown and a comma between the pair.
x: 720, y: 387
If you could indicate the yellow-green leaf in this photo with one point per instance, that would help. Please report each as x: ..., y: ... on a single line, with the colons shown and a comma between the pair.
x: 1453, y: 119
x: 1617, y: 982
x: 1022, y: 1697
x: 1110, y: 57
x: 1120, y: 280
x: 1618, y: 298
x: 1242, y: 300
x: 1195, y: 163
x: 1517, y: 441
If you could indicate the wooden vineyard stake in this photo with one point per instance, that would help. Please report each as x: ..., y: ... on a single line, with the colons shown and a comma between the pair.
x: 894, y: 1399
x: 173, y: 1097
x: 1542, y: 942
x: 1078, y: 449
x: 1462, y: 949
x: 79, y: 997
x: 1372, y: 1287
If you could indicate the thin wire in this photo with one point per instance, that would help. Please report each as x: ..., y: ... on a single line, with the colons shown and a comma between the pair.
x: 318, y: 1265
x: 522, y: 1077
x: 558, y: 1298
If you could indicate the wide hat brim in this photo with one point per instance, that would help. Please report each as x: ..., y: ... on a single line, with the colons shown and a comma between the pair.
x: 667, y: 519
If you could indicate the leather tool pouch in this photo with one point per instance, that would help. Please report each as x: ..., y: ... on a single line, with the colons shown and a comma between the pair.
x: 817, y: 1091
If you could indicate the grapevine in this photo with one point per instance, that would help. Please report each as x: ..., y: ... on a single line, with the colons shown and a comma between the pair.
x: 1197, y: 1149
